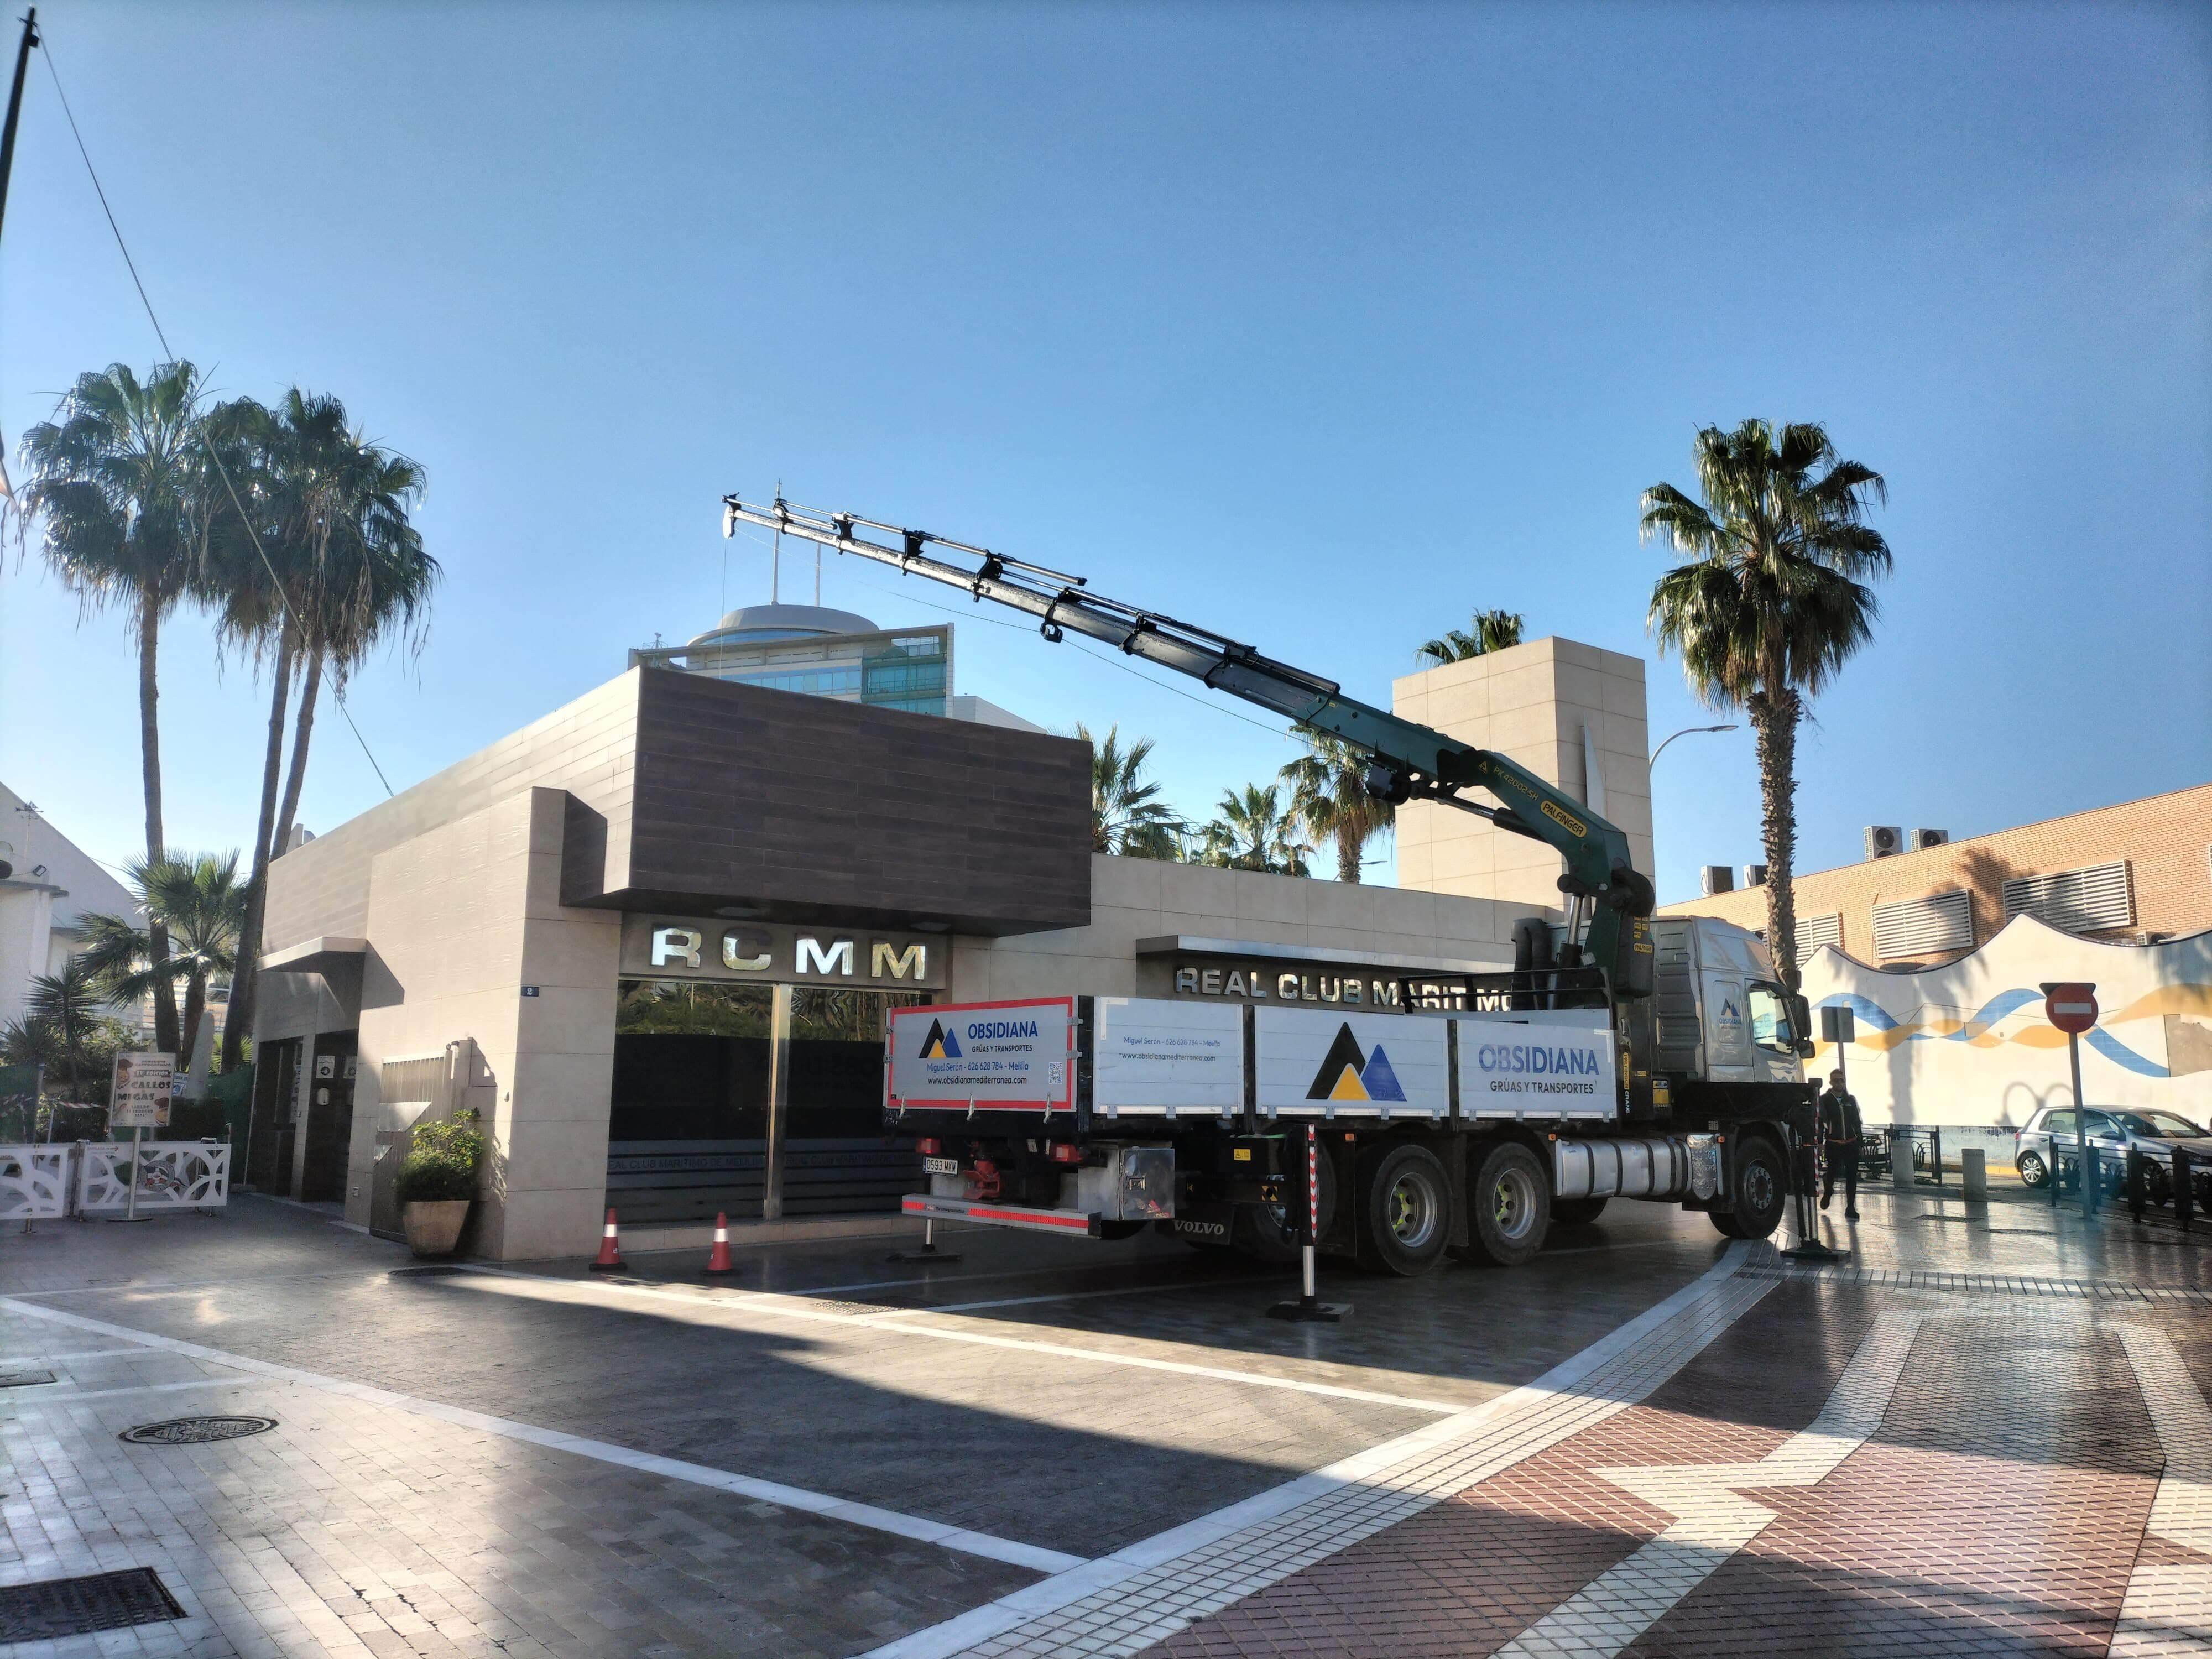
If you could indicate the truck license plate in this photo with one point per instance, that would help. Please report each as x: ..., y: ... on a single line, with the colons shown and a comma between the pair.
x: 941, y: 1166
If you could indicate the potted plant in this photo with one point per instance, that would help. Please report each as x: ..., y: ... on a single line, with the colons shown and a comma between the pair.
x: 439, y: 1180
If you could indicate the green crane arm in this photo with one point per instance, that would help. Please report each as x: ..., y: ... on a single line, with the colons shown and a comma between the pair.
x: 1409, y: 761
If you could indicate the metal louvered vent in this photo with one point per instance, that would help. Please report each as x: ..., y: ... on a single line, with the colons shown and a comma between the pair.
x: 1923, y: 927
x: 1814, y: 932
x: 2096, y: 900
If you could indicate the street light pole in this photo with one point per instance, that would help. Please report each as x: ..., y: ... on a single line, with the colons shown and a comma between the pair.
x: 1687, y: 730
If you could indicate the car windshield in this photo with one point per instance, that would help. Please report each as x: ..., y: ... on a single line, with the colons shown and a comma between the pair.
x: 2163, y: 1126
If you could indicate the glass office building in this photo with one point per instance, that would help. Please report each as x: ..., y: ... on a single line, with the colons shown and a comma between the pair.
x: 822, y: 653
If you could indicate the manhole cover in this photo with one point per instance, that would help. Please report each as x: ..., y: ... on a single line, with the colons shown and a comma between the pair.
x: 24, y: 1379
x: 197, y: 1430
x: 55, y: 1608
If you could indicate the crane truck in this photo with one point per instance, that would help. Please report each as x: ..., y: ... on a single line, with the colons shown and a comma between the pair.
x: 1623, y: 1055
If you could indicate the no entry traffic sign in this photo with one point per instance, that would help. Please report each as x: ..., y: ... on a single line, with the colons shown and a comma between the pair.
x: 2071, y: 1005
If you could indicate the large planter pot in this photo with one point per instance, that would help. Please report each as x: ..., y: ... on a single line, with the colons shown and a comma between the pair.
x: 432, y: 1229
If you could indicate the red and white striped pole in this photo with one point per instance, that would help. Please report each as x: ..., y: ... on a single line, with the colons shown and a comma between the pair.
x: 1310, y: 1304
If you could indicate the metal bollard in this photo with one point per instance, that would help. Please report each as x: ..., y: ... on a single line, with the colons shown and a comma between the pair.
x: 2185, y: 1187
x: 1974, y: 1173
x: 1901, y: 1159
x: 2138, y: 1183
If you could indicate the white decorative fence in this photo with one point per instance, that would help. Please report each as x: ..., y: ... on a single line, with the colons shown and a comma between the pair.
x: 173, y: 1175
x: 34, y: 1182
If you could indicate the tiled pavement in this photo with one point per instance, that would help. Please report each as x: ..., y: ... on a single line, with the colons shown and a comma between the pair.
x: 1984, y: 1434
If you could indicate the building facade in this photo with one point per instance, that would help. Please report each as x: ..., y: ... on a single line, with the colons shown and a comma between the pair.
x: 822, y: 653
x: 51, y: 885
x: 1571, y: 713
x: 2137, y: 873
x: 653, y: 938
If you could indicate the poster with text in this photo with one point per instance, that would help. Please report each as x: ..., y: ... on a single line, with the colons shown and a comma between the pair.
x: 138, y: 1097
x: 995, y: 1056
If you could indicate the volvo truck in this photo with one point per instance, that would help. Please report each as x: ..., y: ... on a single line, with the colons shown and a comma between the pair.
x: 1419, y: 1115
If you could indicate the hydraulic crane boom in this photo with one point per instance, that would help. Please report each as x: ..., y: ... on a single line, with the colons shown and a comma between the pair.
x: 1409, y: 761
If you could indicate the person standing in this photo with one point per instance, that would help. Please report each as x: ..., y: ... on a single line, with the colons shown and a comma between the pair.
x: 1839, y: 1127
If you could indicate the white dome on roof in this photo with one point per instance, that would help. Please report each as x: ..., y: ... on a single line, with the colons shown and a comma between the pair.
x: 784, y: 622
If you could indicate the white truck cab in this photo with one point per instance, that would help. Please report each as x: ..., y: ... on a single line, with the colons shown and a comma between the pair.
x: 1721, y: 1013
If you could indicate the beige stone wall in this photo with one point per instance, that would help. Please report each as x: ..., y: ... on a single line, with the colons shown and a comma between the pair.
x: 1132, y: 899
x: 459, y: 918
x: 2168, y: 839
x: 1530, y: 703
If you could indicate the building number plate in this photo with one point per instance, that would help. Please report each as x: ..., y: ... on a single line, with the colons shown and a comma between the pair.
x: 941, y: 1166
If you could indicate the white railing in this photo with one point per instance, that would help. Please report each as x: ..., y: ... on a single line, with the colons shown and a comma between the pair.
x: 34, y: 1182
x: 173, y: 1175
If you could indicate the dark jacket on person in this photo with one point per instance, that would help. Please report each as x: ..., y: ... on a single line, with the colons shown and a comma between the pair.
x: 1839, y: 1115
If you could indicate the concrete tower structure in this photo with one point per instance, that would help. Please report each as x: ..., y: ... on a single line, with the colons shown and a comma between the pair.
x: 1571, y: 713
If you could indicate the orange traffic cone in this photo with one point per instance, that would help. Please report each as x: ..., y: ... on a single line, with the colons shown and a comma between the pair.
x: 610, y: 1251
x: 718, y: 1259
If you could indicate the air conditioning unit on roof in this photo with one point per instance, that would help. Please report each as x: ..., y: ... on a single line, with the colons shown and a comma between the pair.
x: 1930, y: 838
x: 1717, y: 879
x: 1755, y: 875
x: 1884, y: 840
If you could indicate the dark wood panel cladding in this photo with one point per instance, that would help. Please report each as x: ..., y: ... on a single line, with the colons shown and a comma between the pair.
x: 691, y: 795
x: 805, y: 808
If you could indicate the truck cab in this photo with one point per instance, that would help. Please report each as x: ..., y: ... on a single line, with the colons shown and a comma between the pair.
x: 1720, y: 1013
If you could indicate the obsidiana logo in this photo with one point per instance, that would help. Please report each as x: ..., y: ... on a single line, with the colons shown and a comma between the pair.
x: 1348, y: 1074
x: 939, y: 1044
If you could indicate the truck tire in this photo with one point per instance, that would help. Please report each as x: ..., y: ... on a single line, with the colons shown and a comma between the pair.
x: 1407, y: 1220
x: 1762, y: 1186
x: 1509, y: 1206
x: 1270, y: 1232
x: 1576, y: 1212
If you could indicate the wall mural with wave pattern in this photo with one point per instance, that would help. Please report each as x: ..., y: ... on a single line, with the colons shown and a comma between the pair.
x: 1967, y: 1043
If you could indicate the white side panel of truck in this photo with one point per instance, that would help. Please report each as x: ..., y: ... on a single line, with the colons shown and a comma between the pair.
x: 1350, y: 1065
x: 1542, y: 1063
x: 1152, y: 1057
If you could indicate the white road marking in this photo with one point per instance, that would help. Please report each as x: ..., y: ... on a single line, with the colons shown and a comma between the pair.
x: 896, y: 1321
x: 2168, y: 1606
x: 1078, y: 1295
x: 70, y: 1396
x: 1713, y: 1521
x: 1031, y: 1556
x: 1234, y: 1551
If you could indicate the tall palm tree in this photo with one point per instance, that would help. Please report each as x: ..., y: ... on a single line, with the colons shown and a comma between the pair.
x: 1488, y: 631
x: 332, y: 509
x: 118, y: 481
x: 1771, y: 605
x: 197, y: 897
x: 1329, y: 798
x: 1254, y: 832
x: 71, y: 1004
x: 1127, y: 818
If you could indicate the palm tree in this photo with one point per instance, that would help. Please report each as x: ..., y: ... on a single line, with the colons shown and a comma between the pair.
x: 119, y: 482
x: 197, y: 897
x: 1771, y: 605
x: 71, y: 1005
x: 1127, y: 816
x: 1329, y: 798
x: 1488, y: 631
x: 354, y: 575
x: 1254, y: 833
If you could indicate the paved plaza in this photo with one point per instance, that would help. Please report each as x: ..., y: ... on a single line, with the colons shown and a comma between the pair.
x: 1985, y: 1433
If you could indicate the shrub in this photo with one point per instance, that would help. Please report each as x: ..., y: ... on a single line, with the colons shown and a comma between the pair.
x: 443, y: 1160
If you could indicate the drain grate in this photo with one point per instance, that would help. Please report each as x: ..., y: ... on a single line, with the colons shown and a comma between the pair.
x: 56, y: 1607
x: 197, y: 1430
x: 24, y: 1379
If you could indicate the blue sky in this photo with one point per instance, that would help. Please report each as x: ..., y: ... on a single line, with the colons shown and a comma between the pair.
x: 1318, y: 324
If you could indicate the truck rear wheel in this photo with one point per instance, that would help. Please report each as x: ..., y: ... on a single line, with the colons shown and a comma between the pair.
x: 1408, y: 1213
x: 1509, y: 1206
x: 1762, y: 1185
